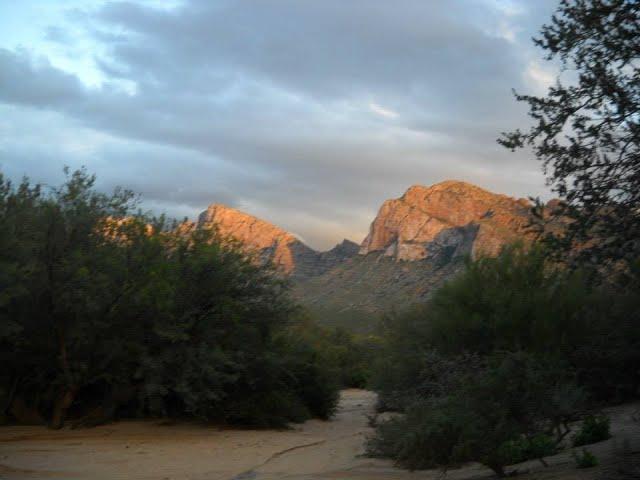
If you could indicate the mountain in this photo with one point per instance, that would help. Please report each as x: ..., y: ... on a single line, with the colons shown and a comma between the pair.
x: 415, y: 243
x: 271, y: 243
x: 451, y: 218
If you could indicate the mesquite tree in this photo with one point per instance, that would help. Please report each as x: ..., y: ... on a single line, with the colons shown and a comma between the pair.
x: 586, y: 128
x: 106, y: 312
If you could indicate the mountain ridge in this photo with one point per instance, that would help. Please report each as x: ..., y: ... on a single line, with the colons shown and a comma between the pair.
x: 272, y: 243
x: 415, y: 243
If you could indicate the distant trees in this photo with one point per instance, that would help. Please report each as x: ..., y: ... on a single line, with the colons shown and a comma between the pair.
x: 105, y: 312
x: 586, y: 130
x: 348, y: 354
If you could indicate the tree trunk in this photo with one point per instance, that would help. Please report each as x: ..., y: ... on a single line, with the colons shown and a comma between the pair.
x: 498, y: 469
x: 63, y: 402
x: 12, y: 393
x: 68, y: 393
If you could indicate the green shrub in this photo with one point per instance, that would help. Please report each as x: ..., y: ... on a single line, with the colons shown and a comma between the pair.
x: 586, y: 459
x: 501, y: 356
x: 515, y: 301
x: 496, y: 416
x: 606, y: 361
x: 428, y: 436
x: 527, y: 342
x: 310, y: 378
x: 540, y: 446
x: 407, y: 368
x: 348, y: 354
x: 522, y: 449
x: 593, y: 429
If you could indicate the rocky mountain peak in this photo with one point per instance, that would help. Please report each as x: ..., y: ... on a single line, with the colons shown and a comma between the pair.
x: 268, y: 241
x: 246, y: 228
x: 346, y: 247
x: 448, y: 219
x: 272, y: 243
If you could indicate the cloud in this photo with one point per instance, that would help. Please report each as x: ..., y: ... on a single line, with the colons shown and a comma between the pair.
x: 539, y: 77
x: 383, y: 112
x: 268, y: 105
x: 29, y: 80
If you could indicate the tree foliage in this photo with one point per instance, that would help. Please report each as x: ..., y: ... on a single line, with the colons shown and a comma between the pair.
x: 106, y: 312
x: 500, y: 359
x: 510, y: 411
x: 593, y: 429
x: 586, y: 129
x: 515, y: 301
x: 347, y: 354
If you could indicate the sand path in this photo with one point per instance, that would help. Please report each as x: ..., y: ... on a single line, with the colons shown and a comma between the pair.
x: 314, y: 450
x: 149, y: 450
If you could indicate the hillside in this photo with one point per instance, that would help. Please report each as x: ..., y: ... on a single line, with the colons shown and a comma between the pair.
x: 273, y: 244
x: 356, y: 291
x: 415, y: 243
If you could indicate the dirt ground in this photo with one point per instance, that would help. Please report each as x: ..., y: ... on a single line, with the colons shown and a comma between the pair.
x: 313, y: 450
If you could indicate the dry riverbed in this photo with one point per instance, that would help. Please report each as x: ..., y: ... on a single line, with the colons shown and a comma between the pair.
x: 313, y: 450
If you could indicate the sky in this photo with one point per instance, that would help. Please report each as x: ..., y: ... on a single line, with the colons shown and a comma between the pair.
x: 308, y: 114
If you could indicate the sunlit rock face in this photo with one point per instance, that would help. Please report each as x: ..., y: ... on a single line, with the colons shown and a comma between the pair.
x: 442, y: 222
x: 271, y: 243
x: 265, y: 239
x: 449, y: 219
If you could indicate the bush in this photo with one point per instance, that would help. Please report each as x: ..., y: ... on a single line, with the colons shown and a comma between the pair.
x: 313, y: 379
x: 407, y: 368
x: 515, y: 301
x: 481, y: 369
x: 498, y: 416
x: 428, y: 436
x: 593, y: 429
x: 522, y: 449
x: 586, y: 459
x: 519, y: 343
x: 510, y: 303
x: 606, y: 357
x: 347, y: 354
x: 107, y: 312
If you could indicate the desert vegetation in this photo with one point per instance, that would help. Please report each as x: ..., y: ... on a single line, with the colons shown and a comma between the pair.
x: 107, y: 312
x: 500, y: 361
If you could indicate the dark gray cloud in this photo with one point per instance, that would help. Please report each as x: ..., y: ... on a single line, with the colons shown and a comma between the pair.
x: 34, y: 82
x: 309, y: 114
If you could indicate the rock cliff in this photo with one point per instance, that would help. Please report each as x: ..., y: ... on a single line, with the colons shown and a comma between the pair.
x: 271, y: 243
x: 447, y: 220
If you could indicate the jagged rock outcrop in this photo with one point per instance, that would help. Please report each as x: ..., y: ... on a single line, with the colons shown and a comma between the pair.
x: 263, y: 238
x: 271, y: 243
x: 447, y: 220
x: 317, y: 263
